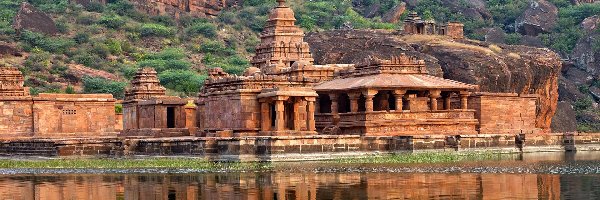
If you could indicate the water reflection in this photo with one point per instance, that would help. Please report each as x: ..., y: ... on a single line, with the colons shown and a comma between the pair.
x: 306, y: 185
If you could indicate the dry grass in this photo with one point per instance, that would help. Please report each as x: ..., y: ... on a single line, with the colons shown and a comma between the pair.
x: 495, y: 48
x: 514, y: 55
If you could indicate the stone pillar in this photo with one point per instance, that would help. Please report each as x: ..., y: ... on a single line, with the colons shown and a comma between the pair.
x: 447, y: 102
x: 434, y: 95
x: 279, y: 115
x: 310, y: 115
x: 369, y: 95
x: 265, y: 115
x: 334, y: 103
x: 464, y: 97
x: 354, y: 101
x: 399, y: 94
x: 296, y: 114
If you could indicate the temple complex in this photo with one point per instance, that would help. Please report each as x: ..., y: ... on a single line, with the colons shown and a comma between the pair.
x: 283, y: 103
x: 52, y: 115
x: 284, y: 93
x: 148, y: 111
x: 415, y: 25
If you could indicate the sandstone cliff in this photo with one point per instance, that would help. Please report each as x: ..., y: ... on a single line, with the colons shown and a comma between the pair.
x: 495, y: 68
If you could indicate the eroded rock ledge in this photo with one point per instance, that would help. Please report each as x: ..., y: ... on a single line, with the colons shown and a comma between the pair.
x: 495, y: 68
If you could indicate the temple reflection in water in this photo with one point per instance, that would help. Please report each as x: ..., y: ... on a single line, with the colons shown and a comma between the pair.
x: 300, y: 186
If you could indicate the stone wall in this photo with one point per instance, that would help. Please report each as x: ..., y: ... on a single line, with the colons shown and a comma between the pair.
x: 504, y: 113
x: 16, y: 116
x: 74, y: 115
x: 237, y: 111
x: 282, y: 148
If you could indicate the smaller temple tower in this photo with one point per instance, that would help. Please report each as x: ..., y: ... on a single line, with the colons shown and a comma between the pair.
x: 145, y: 85
x: 147, y: 111
x: 282, y: 42
x: 11, y: 82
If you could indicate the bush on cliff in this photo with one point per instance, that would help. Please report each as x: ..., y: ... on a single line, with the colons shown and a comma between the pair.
x: 101, y: 85
x: 156, y: 30
x: 184, y: 81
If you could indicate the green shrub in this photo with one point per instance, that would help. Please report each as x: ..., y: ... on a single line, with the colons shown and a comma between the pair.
x: 164, y: 20
x: 100, y: 85
x: 121, y: 7
x: 216, y: 47
x: 583, y: 104
x: 70, y: 90
x: 206, y: 29
x: 54, y: 45
x: 111, y: 21
x: 119, y: 108
x: 188, y: 82
x: 167, y: 54
x: 163, y: 65
x: 81, y: 38
x: 156, y: 30
x: 86, y: 19
x: 513, y: 38
x: 94, y: 6
x: 38, y: 60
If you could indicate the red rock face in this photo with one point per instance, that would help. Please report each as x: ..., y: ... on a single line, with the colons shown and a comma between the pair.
x: 540, y: 17
x: 517, y: 69
x: 196, y: 8
x: 31, y: 19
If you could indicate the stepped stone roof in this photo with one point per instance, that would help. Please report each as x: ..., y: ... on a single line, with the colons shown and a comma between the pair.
x: 400, y: 72
x: 145, y: 85
x: 11, y: 82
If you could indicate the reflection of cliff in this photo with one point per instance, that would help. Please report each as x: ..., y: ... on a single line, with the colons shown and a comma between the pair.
x: 301, y: 186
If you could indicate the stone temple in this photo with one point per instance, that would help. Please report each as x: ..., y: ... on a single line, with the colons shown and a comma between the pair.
x: 282, y: 102
x: 286, y: 94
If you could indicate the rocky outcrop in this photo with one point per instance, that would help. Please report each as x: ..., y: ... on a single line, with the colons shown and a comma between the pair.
x: 393, y: 15
x: 565, y: 118
x: 195, y: 8
x: 31, y: 19
x: 497, y: 68
x: 577, y: 2
x: 539, y: 17
x: 494, y: 35
x: 587, y: 53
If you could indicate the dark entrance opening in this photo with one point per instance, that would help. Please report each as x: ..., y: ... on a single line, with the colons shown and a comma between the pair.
x: 170, y: 117
x: 273, y: 114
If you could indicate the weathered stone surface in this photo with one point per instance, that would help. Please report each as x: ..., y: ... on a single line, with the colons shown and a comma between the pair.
x: 519, y: 69
x: 31, y: 19
x: 494, y: 35
x: 394, y: 14
x: 584, y: 56
x: 540, y: 17
x: 176, y: 8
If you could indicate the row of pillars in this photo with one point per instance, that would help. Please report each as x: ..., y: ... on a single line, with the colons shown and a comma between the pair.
x: 279, y: 103
x: 398, y: 94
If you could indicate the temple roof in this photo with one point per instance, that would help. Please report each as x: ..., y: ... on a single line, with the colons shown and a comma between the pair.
x: 400, y: 72
x: 395, y: 81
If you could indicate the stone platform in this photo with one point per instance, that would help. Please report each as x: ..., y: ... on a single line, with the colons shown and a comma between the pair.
x: 290, y: 148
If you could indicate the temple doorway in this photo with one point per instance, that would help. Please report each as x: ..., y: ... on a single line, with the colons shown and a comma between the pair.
x: 170, y: 117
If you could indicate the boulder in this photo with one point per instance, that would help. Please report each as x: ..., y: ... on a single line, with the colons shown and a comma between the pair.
x: 31, y: 19
x: 532, y: 41
x: 495, y: 35
x: 564, y: 120
x: 584, y: 55
x: 539, y: 17
x: 498, y: 68
x: 394, y: 14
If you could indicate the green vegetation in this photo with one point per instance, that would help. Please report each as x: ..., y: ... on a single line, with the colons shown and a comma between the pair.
x: 157, y: 163
x: 100, y: 85
x: 426, y: 157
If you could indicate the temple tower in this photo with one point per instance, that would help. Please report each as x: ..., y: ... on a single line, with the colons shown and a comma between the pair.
x: 145, y: 85
x: 282, y: 42
x: 11, y: 82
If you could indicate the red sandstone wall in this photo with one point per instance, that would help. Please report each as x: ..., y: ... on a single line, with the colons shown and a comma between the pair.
x: 504, y: 114
x: 73, y: 118
x: 239, y: 112
x: 196, y: 8
x: 16, y: 116
x: 129, y: 117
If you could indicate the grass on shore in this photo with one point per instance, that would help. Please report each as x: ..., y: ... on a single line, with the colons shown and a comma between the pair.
x: 151, y: 163
x: 203, y: 164
x: 425, y: 157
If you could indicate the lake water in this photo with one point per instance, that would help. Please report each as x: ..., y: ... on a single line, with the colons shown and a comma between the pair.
x: 527, y: 176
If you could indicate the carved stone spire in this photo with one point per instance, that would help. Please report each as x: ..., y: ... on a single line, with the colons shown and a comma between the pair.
x: 281, y: 40
x: 145, y: 85
x: 11, y: 82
